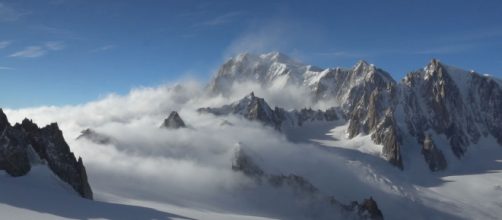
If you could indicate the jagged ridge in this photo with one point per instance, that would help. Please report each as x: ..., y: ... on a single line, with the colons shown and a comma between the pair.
x: 23, y: 144
x: 255, y: 108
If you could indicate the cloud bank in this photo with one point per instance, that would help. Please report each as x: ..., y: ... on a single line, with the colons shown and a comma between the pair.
x: 189, y: 166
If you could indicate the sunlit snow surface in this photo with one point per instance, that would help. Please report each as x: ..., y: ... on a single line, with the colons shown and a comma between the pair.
x: 186, y: 173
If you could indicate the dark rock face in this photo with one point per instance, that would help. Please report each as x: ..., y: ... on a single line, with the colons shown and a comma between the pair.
x: 433, y: 156
x: 174, y: 121
x: 306, y: 115
x: 369, y: 107
x: 444, y: 99
x: 386, y: 133
x: 13, y: 158
x: 254, y: 108
x: 13, y: 149
x: 490, y: 106
x: 250, y: 107
x: 259, y: 110
x: 370, y: 210
x: 244, y: 162
x: 48, y: 143
x: 464, y: 106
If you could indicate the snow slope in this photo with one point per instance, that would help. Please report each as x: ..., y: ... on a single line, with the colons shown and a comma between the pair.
x: 469, y: 189
x: 41, y: 195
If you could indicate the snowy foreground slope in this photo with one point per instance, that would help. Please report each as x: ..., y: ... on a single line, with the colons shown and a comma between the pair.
x: 41, y: 195
x: 307, y: 144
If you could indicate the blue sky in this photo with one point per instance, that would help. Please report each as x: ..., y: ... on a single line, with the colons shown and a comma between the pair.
x: 60, y: 52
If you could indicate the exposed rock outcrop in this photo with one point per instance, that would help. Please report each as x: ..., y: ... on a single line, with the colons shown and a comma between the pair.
x: 250, y: 107
x: 18, y: 142
x: 462, y: 105
x: 433, y: 156
x: 174, y: 121
x: 386, y: 133
x: 255, y: 108
x: 13, y: 149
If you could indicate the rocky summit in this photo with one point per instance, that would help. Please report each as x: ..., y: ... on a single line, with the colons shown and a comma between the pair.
x: 174, y: 121
x: 25, y: 144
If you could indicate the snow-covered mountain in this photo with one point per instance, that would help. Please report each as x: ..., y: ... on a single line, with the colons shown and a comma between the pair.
x: 272, y: 69
x: 412, y: 113
x: 463, y: 106
x: 247, y: 155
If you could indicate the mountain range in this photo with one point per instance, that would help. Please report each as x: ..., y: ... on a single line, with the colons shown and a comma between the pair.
x: 433, y: 117
x: 436, y: 104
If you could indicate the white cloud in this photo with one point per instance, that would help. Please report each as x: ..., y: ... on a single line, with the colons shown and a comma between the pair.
x: 6, y: 68
x: 189, y: 166
x: 54, y: 45
x: 4, y: 44
x: 30, y: 52
x: 38, y: 51
x: 9, y: 14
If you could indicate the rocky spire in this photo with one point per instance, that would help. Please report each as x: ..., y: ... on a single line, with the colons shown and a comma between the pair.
x: 174, y: 121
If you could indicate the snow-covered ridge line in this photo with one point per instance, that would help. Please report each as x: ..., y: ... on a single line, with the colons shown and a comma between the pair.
x: 463, y: 105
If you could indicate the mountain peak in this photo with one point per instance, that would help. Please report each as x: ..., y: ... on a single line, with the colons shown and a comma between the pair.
x: 363, y: 64
x: 251, y: 95
x: 174, y: 121
x: 433, y: 64
x: 434, y: 61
